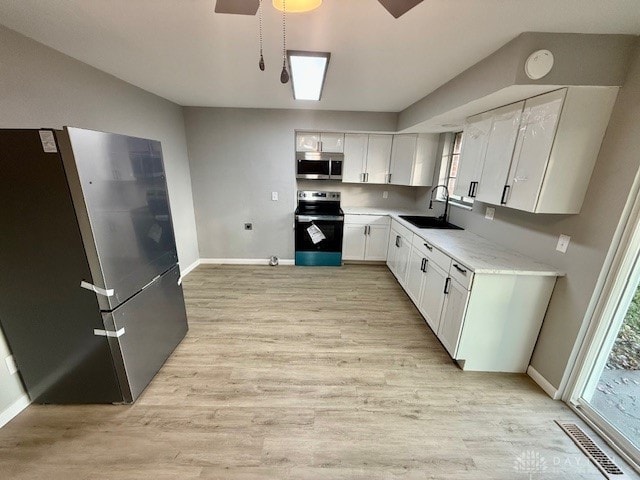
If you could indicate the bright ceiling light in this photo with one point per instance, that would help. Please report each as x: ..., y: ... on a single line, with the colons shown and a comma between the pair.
x: 308, y: 72
x: 297, y: 6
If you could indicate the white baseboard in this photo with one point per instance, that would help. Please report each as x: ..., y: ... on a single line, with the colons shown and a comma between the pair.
x: 14, y: 409
x: 243, y: 261
x: 543, y: 383
x: 188, y: 270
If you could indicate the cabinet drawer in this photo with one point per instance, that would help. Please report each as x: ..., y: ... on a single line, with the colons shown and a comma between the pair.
x: 402, y: 230
x: 432, y: 253
x: 352, y: 219
x: 461, y: 273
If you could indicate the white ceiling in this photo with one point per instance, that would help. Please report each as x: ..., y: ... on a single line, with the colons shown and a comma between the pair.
x: 181, y: 50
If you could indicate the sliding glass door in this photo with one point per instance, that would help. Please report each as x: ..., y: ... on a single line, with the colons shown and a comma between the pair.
x: 612, y: 393
x: 606, y: 389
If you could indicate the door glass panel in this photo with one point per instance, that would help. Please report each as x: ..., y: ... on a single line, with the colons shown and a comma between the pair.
x: 614, y: 391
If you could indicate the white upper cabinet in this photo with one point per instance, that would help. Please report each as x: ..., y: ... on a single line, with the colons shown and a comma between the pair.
x: 307, y: 142
x: 425, y: 161
x: 474, y: 147
x: 319, y: 142
x: 332, y: 142
x: 378, y: 155
x: 536, y: 155
x: 413, y: 159
x: 537, y: 132
x: 505, y: 124
x: 403, y: 153
x: 355, y: 157
x: 366, y: 158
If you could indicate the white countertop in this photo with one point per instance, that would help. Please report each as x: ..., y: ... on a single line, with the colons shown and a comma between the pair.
x: 479, y: 254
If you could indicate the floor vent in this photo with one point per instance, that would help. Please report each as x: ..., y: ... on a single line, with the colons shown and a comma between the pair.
x: 591, y: 450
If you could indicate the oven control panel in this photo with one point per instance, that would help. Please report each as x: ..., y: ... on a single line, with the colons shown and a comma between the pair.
x: 316, y: 196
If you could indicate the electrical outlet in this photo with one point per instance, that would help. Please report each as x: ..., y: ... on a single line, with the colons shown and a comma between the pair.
x: 385, y: 194
x: 489, y: 214
x: 11, y: 365
x: 563, y: 243
x: 248, y: 226
x: 274, y: 196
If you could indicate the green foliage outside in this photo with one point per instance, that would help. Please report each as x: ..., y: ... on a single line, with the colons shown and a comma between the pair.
x: 625, y: 354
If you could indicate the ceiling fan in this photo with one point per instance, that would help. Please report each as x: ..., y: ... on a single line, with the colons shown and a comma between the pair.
x: 397, y: 8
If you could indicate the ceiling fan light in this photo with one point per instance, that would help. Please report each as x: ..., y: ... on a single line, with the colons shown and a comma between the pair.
x: 297, y: 6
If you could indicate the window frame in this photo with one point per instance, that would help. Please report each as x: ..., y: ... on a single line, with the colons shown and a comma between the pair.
x: 449, y: 151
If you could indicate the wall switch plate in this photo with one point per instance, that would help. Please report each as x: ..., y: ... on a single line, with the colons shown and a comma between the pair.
x: 248, y: 226
x: 563, y: 243
x: 11, y: 365
x: 385, y: 194
x: 490, y: 213
x: 274, y: 196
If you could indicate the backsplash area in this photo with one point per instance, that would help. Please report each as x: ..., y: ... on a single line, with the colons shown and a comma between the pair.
x: 368, y: 195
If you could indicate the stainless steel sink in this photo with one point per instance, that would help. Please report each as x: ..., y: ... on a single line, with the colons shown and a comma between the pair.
x: 429, y: 222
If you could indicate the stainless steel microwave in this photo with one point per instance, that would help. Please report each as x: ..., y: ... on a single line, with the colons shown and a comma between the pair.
x: 319, y: 165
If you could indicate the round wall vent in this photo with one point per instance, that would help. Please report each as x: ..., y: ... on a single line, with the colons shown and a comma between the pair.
x: 538, y: 64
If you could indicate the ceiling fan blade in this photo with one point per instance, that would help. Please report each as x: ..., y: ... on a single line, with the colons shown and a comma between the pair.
x: 237, y: 7
x: 397, y: 8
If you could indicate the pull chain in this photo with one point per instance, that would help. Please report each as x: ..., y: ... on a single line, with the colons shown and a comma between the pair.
x: 284, y: 76
x: 261, y: 62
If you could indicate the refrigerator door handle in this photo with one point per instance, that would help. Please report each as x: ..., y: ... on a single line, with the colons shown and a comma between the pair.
x: 108, y: 333
x: 109, y: 292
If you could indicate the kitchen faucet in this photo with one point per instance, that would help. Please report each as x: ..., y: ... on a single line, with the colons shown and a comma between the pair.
x: 446, y: 202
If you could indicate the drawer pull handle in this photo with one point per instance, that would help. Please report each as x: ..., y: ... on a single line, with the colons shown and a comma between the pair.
x: 429, y: 247
x: 505, y: 191
x: 447, y: 284
x: 460, y: 269
x: 423, y: 265
x: 398, y: 241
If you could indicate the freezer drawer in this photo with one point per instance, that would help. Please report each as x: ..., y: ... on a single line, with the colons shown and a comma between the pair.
x: 147, y: 327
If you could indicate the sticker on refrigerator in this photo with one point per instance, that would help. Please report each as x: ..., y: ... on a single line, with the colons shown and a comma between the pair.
x: 315, y: 233
x: 48, y: 141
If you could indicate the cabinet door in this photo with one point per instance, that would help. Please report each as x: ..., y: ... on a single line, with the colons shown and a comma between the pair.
x: 402, y: 259
x: 502, y: 139
x: 332, y: 142
x: 403, y: 154
x: 540, y: 121
x: 378, y: 158
x: 432, y: 296
x: 307, y: 142
x: 353, y: 242
x: 474, y: 145
x: 377, y: 241
x: 453, y: 311
x: 392, y: 250
x: 414, y: 275
x: 426, y: 159
x: 355, y: 157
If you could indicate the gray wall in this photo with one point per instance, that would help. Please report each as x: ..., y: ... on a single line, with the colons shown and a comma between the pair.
x: 40, y: 87
x: 591, y: 231
x: 580, y: 59
x: 239, y: 156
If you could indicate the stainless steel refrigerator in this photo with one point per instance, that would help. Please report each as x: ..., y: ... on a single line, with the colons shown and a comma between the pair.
x: 90, y: 298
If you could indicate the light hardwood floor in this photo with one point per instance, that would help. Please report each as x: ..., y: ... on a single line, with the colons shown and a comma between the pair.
x: 302, y: 373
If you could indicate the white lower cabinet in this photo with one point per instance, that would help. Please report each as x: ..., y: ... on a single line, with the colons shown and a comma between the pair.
x: 365, y: 237
x: 453, y: 310
x: 399, y: 248
x: 486, y: 322
x: 432, y: 295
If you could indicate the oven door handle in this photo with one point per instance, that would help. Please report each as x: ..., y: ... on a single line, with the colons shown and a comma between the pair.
x: 312, y: 218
